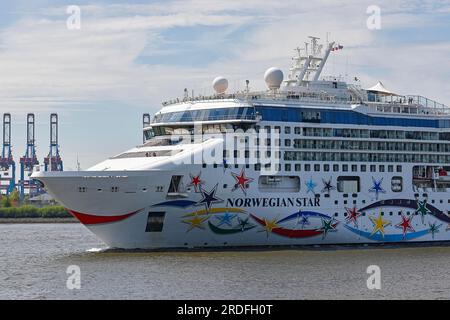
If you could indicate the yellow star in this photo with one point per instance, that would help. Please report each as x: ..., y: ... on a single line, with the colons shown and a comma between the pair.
x: 195, y: 222
x: 270, y: 225
x: 379, y: 224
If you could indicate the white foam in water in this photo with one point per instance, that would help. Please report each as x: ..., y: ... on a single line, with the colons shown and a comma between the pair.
x: 94, y: 250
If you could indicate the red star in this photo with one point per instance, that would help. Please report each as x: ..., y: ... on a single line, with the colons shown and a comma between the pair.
x: 196, y: 182
x: 405, y: 224
x: 353, y: 215
x: 241, y: 181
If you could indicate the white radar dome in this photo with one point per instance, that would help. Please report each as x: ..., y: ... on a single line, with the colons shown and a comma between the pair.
x: 273, y: 77
x: 220, y: 85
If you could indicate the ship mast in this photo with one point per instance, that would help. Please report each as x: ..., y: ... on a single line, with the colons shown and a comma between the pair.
x: 308, y: 66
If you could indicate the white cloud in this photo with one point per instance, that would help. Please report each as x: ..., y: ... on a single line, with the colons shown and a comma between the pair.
x: 43, y: 65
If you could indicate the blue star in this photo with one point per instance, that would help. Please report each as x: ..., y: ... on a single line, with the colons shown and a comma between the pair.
x: 311, y: 185
x: 303, y: 221
x: 377, y: 188
x: 209, y: 198
x: 226, y: 219
x: 327, y: 186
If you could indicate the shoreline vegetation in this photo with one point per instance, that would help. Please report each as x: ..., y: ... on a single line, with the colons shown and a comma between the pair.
x: 12, y: 210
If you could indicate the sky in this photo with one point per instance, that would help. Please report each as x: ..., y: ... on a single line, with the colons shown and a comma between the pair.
x: 128, y: 57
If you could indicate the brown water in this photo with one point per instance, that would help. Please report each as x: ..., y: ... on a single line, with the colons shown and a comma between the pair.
x: 34, y: 259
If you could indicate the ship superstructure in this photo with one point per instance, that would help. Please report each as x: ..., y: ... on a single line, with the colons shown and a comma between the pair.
x: 312, y: 161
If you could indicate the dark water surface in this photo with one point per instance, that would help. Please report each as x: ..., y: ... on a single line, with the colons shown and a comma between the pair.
x: 34, y: 259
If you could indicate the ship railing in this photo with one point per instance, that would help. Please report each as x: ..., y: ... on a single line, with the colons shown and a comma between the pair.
x: 264, y: 96
x: 409, y: 104
x: 248, y: 117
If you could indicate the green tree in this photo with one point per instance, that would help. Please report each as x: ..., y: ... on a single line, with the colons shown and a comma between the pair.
x: 6, y: 202
x: 14, y: 196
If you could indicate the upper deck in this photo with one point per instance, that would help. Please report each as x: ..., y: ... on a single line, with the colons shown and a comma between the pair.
x: 302, y: 94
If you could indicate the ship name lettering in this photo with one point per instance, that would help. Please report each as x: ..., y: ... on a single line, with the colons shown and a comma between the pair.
x: 273, y: 202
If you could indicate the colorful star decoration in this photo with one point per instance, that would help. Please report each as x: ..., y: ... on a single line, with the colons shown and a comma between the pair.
x: 269, y: 225
x: 196, y: 182
x: 243, y: 223
x: 226, y: 219
x: 195, y: 222
x: 405, y: 225
x: 327, y: 186
x: 422, y: 209
x: 377, y: 188
x: 352, y: 216
x: 327, y: 225
x: 303, y: 220
x: 208, y: 198
x: 379, y: 224
x: 241, y: 181
x: 434, y: 228
x: 310, y: 185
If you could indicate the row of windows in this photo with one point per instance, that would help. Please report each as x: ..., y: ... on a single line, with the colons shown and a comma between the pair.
x: 323, y: 167
x: 365, y: 157
x: 367, y: 145
x: 342, y: 168
x: 292, y: 114
x: 205, y: 115
x: 360, y: 133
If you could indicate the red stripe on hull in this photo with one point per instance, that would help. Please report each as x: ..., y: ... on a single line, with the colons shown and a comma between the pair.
x: 93, y: 219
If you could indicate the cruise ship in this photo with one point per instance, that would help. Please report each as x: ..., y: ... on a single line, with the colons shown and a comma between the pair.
x: 312, y: 160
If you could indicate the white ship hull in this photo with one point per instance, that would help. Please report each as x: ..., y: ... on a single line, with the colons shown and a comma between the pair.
x: 236, y: 219
x: 349, y: 166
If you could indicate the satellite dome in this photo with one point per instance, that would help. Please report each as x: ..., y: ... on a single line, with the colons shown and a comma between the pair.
x: 273, y: 77
x: 220, y: 85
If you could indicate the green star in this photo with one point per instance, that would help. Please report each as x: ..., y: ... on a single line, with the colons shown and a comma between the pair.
x: 327, y: 226
x: 243, y: 223
x: 422, y: 209
x: 434, y: 228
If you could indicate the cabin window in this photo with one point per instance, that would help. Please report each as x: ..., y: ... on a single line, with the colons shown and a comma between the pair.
x: 397, y: 184
x: 348, y: 184
x: 279, y: 184
x: 287, y: 130
x: 175, y: 184
x: 155, y: 221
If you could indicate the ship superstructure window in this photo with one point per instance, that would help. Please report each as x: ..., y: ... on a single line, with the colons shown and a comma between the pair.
x: 279, y: 184
x: 311, y: 116
x: 348, y: 184
x: 176, y: 185
x: 155, y: 222
x: 397, y: 184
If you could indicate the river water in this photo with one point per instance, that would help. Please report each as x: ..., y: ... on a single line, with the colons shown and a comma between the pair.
x: 34, y: 259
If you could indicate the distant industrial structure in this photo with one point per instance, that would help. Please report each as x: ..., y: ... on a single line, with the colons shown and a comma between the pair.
x: 53, y: 161
x: 7, y: 164
x: 29, y: 162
